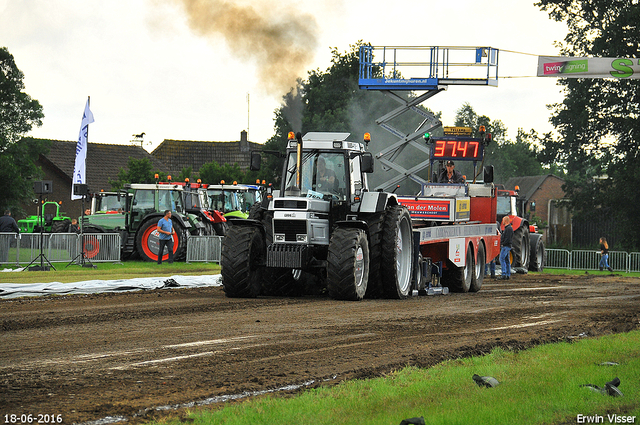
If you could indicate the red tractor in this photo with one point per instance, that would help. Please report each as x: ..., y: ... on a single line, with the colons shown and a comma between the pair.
x: 527, y: 252
x: 196, y: 201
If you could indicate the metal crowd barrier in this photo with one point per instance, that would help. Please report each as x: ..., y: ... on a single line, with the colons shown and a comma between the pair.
x: 23, y: 248
x: 634, y: 262
x: 557, y: 259
x: 589, y: 260
x: 8, y: 248
x: 204, y: 249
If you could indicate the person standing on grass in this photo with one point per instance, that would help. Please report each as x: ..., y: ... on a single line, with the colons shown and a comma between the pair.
x: 604, y: 255
x: 165, y: 227
x: 505, y: 243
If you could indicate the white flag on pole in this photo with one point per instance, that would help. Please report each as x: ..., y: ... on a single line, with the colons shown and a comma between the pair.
x: 79, y: 170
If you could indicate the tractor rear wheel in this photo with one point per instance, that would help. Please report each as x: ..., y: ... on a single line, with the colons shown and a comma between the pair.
x: 538, y: 253
x: 220, y: 228
x: 148, y: 241
x: 459, y: 279
x: 348, y: 264
x: 90, y: 243
x: 520, y: 249
x: 478, y: 275
x: 374, y: 284
x: 397, y: 258
x: 243, y: 259
x: 60, y: 226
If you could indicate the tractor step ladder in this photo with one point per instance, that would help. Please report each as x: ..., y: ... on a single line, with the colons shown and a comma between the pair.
x: 477, y: 66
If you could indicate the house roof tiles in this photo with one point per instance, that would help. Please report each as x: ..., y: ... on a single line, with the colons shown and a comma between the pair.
x: 104, y: 161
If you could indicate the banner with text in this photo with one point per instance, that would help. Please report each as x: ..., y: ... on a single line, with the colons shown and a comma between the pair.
x: 574, y: 67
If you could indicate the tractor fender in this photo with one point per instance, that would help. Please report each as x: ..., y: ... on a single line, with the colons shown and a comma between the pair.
x: 158, y: 215
x: 237, y: 221
x: 100, y: 228
x: 373, y: 202
x: 358, y: 224
x: 516, y: 222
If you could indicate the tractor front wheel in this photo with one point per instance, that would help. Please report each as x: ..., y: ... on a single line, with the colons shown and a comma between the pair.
x: 348, y: 264
x: 243, y: 260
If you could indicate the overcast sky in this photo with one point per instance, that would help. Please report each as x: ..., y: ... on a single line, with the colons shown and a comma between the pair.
x: 175, y: 71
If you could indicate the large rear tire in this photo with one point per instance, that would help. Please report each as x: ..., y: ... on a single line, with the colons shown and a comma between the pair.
x: 148, y: 241
x: 348, y: 264
x: 520, y: 249
x: 478, y: 275
x: 60, y: 226
x: 538, y: 253
x: 397, y: 257
x: 459, y: 279
x: 243, y: 259
x: 374, y: 284
x: 90, y: 244
x: 220, y: 228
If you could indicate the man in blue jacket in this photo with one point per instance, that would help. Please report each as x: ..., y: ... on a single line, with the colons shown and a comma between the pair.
x: 165, y: 227
x: 505, y: 243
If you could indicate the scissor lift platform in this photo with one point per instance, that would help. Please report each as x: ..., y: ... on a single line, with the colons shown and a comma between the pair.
x: 431, y: 69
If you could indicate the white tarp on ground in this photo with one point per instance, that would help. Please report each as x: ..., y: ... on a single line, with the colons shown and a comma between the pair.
x: 14, y: 290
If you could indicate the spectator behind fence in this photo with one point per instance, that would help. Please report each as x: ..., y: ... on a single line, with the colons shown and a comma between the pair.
x: 7, y: 225
x: 604, y: 255
x: 73, y: 227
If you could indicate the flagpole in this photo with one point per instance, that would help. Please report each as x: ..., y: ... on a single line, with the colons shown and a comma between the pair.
x: 85, y: 182
x: 89, y: 104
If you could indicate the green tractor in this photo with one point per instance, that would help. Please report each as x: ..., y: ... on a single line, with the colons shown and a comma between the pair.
x: 234, y: 201
x: 50, y: 220
x: 134, y: 214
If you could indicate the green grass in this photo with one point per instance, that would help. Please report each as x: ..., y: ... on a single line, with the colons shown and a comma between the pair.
x: 592, y: 272
x: 109, y: 271
x: 538, y: 386
x: 134, y: 269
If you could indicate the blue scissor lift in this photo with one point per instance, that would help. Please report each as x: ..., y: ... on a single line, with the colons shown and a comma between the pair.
x: 436, y: 67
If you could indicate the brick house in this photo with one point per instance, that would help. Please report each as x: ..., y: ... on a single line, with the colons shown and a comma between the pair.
x: 179, y: 154
x: 104, y: 161
x: 543, y: 191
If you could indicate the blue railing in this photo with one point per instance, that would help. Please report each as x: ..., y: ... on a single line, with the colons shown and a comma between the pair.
x: 426, y: 67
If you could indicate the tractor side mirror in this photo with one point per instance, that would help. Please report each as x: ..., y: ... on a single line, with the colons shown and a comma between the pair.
x: 488, y: 174
x: 256, y: 161
x: 367, y: 162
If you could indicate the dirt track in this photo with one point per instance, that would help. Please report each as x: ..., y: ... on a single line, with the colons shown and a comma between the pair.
x: 89, y: 357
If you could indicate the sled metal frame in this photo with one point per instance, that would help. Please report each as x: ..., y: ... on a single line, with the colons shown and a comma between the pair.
x: 444, y: 66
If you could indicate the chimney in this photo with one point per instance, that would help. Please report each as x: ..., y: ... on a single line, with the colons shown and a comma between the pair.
x: 244, y: 143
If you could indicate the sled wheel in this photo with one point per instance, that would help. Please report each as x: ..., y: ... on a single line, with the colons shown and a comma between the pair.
x: 478, y: 275
x: 458, y: 279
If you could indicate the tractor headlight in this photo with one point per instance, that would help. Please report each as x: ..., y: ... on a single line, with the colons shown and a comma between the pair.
x: 301, y: 238
x: 279, y: 238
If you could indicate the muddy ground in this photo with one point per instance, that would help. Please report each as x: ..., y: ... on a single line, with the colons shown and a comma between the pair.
x: 134, y: 355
